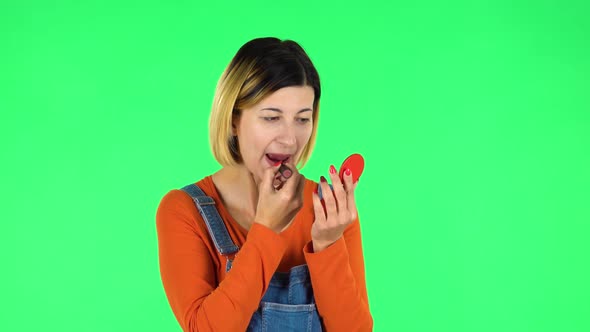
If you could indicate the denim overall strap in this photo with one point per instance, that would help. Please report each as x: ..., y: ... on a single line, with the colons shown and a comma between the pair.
x: 215, y: 225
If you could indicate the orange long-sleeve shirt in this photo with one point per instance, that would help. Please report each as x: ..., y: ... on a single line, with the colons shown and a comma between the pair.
x: 204, y: 297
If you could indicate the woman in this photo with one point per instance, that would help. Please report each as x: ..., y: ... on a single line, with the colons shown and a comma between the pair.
x: 252, y: 247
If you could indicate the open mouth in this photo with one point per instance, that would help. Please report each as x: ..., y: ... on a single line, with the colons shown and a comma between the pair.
x: 274, y: 158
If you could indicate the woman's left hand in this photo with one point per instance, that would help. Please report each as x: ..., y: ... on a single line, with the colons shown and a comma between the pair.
x: 339, y: 210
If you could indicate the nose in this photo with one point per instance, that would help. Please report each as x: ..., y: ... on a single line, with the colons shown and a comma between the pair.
x: 287, y: 135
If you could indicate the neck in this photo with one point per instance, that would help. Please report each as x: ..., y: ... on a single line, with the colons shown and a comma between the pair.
x: 239, y: 188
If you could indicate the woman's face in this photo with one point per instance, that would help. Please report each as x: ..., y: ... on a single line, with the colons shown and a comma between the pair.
x: 277, y: 128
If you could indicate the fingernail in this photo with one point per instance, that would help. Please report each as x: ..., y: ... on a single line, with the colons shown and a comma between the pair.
x: 323, y: 179
x: 347, y: 172
x: 277, y: 163
x: 332, y: 169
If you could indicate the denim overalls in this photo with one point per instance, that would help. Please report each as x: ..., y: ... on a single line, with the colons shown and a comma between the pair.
x: 288, y: 304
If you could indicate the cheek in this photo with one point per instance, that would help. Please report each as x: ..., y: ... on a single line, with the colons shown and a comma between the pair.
x: 250, y: 135
x: 255, y: 143
x: 305, y: 135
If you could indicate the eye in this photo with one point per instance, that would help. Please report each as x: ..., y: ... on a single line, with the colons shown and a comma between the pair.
x: 270, y: 118
x: 304, y: 120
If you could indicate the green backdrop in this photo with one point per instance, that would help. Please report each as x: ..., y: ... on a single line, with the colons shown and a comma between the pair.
x: 473, y: 117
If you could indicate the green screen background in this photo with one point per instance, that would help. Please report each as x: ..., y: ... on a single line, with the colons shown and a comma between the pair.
x: 473, y: 118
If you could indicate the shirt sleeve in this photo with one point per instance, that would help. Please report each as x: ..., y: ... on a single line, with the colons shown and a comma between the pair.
x: 338, y: 280
x: 188, y: 271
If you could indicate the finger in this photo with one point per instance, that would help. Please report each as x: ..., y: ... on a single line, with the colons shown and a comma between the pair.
x: 328, y: 195
x: 268, y: 177
x: 347, y: 179
x: 339, y: 192
x: 349, y: 186
x: 318, y: 209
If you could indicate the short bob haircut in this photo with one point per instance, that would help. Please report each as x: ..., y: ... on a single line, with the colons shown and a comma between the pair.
x: 261, y: 67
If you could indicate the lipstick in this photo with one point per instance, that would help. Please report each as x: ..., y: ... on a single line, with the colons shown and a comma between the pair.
x: 285, y: 171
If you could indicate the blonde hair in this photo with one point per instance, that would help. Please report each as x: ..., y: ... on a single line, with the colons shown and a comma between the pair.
x: 259, y: 68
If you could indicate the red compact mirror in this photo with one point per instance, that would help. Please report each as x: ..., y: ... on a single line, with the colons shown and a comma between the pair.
x: 356, y: 164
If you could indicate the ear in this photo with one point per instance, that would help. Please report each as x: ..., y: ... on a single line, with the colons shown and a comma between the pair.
x: 235, y: 122
x: 234, y: 126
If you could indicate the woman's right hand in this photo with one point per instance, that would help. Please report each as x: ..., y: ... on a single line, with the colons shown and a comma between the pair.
x: 277, y: 207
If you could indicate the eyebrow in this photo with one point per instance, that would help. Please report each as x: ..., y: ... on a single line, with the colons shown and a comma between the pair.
x: 280, y: 111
